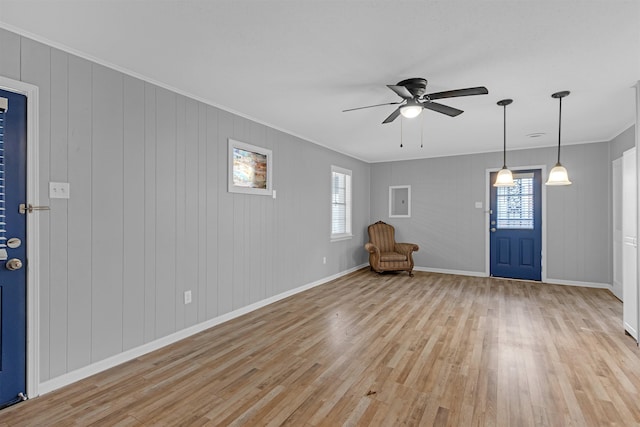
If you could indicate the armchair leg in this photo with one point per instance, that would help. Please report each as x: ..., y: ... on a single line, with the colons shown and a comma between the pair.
x: 411, y: 273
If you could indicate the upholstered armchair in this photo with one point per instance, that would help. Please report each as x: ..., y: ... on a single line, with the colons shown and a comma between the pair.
x: 385, y: 254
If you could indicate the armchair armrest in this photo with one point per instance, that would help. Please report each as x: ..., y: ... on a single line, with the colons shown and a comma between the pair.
x: 406, y: 248
x: 371, y: 248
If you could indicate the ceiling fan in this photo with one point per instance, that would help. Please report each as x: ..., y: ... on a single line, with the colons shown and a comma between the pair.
x: 414, y: 99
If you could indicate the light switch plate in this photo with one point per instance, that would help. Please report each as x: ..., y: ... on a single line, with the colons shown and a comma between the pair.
x: 59, y: 190
x: 478, y: 205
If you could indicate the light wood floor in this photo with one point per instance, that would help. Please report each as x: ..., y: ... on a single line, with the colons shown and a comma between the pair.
x: 385, y: 350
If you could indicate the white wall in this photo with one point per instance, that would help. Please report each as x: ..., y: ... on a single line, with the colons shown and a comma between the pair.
x: 150, y: 216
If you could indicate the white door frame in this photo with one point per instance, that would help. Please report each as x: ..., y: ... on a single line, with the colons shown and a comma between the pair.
x: 616, y: 227
x: 487, y: 237
x: 33, y: 232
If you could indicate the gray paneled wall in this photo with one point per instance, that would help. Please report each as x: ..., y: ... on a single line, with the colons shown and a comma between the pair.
x: 150, y: 216
x: 622, y: 143
x: 451, y: 231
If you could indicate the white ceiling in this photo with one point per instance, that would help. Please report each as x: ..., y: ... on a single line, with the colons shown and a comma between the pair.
x: 295, y: 65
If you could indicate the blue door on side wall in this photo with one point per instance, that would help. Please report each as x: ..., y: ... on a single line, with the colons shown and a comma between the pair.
x: 13, y: 313
x: 515, y: 222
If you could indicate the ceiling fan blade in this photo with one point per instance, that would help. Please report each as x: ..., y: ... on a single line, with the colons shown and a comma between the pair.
x: 444, y: 109
x: 480, y: 90
x: 370, y: 106
x: 392, y: 116
x: 401, y: 91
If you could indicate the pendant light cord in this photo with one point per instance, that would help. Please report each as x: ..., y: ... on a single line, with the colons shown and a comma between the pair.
x: 504, y: 133
x: 559, y: 128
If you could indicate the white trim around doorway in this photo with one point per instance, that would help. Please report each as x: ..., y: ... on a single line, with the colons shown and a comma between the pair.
x: 487, y: 250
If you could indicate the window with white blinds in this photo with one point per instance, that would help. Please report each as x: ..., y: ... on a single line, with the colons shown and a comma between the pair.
x: 340, y: 203
x: 515, y: 204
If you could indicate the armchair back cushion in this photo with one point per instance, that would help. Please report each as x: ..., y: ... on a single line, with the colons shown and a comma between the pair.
x: 382, y: 236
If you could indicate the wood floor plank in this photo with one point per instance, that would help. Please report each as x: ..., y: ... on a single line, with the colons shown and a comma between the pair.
x: 370, y: 349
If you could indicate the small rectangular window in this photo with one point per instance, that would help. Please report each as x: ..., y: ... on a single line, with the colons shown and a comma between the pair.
x: 515, y: 204
x: 340, y: 203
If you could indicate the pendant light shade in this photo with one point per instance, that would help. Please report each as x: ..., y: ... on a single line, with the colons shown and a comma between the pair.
x: 411, y: 109
x: 558, y: 175
x: 504, y: 177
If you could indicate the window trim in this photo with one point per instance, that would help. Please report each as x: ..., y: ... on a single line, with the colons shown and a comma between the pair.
x: 335, y: 237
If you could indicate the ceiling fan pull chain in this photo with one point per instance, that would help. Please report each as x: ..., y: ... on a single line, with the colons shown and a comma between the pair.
x: 421, y: 133
x: 401, y: 132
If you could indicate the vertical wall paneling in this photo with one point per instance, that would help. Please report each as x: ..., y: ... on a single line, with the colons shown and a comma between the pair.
x: 58, y: 272
x: 133, y: 213
x: 284, y: 199
x: 240, y: 224
x: 150, y: 216
x: 566, y: 261
x: 180, y: 202
x: 107, y: 213
x: 269, y: 219
x: 150, y: 213
x: 10, y: 54
x: 35, y: 60
x: 214, y: 163
x: 79, y: 219
x: 189, y: 274
x: 201, y: 187
x: 165, y: 212
x: 226, y: 228
x: 255, y: 223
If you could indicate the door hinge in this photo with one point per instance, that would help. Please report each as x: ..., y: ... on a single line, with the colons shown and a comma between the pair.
x: 29, y: 208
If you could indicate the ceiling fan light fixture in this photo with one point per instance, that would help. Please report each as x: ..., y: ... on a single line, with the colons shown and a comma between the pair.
x: 410, y: 112
x: 411, y: 109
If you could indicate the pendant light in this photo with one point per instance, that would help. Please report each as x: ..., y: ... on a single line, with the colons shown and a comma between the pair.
x: 504, y: 177
x: 558, y: 175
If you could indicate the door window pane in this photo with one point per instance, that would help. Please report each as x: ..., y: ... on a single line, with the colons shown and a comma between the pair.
x: 515, y: 204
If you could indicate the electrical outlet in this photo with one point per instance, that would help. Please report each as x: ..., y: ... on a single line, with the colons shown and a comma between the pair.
x: 187, y: 297
x: 324, y: 259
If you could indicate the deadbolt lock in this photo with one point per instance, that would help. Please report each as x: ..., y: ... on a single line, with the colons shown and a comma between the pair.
x: 13, y: 264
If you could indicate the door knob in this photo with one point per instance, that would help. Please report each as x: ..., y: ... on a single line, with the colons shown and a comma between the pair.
x: 493, y: 229
x: 14, y: 264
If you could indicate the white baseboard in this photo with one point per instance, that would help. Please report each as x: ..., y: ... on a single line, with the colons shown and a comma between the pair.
x: 547, y: 280
x: 94, y: 368
x: 578, y: 283
x: 631, y: 331
x: 458, y: 272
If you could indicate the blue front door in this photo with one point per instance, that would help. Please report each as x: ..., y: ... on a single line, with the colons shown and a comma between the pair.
x: 515, y: 222
x: 13, y: 163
